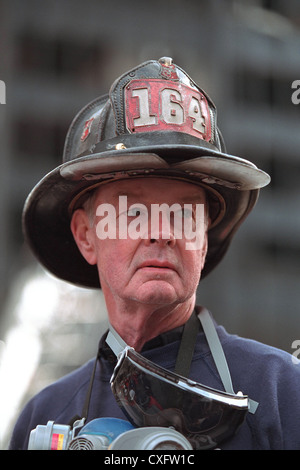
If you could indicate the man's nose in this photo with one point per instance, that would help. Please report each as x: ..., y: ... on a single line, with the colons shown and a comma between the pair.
x: 162, y: 232
x: 163, y: 240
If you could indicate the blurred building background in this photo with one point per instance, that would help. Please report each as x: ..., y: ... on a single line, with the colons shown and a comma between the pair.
x: 57, y: 55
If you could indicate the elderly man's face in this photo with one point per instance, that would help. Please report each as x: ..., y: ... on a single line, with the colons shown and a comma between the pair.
x: 148, y: 259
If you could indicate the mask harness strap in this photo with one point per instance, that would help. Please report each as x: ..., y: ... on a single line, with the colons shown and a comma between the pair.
x: 117, y: 345
x: 218, y: 354
x: 86, y: 405
x: 187, y: 346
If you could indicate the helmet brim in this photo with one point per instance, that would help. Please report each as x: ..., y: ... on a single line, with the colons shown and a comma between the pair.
x: 233, y: 184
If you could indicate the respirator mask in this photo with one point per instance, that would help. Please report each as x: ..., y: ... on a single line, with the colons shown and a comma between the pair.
x: 164, y: 409
x: 105, y: 434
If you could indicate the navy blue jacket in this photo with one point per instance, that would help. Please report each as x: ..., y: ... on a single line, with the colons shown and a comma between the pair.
x: 266, y: 374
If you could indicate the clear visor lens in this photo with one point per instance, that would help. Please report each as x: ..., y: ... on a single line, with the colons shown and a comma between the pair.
x: 153, y: 396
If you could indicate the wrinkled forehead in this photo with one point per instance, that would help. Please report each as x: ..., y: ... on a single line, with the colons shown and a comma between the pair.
x: 152, y: 190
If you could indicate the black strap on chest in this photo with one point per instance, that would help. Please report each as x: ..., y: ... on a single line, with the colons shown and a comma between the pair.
x: 187, y: 346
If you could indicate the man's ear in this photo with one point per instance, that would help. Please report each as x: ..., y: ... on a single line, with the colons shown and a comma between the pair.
x: 204, y: 249
x: 83, y: 235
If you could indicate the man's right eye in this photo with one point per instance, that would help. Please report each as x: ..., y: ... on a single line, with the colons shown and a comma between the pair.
x: 134, y: 212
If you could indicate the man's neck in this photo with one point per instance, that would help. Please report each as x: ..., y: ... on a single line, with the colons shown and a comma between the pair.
x: 141, y: 324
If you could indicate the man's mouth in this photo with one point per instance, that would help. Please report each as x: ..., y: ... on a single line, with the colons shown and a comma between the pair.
x: 157, y: 265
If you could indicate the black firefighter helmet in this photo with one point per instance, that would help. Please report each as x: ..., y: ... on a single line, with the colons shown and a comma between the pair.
x: 155, y: 122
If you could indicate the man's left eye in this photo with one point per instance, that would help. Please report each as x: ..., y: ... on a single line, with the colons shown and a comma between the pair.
x: 186, y: 213
x: 134, y: 211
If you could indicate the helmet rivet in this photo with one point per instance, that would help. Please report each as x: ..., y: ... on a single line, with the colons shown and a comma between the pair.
x: 120, y: 146
x: 166, y: 61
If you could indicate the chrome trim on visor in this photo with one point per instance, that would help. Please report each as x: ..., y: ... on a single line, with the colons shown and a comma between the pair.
x: 150, y: 395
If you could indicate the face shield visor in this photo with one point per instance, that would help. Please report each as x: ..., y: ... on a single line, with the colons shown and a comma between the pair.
x: 150, y: 395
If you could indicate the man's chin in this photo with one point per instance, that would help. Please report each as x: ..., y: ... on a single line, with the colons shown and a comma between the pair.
x: 157, y: 292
